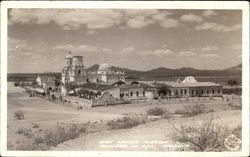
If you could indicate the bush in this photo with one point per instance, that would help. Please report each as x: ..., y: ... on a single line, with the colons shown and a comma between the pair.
x: 237, y: 132
x: 25, y: 132
x: 209, y: 136
x: 232, y: 82
x: 235, y: 105
x: 19, y: 115
x: 35, y: 125
x: 127, y: 122
x: 159, y: 111
x: 60, y: 134
x: 191, y: 110
x: 236, y: 91
x: 20, y: 130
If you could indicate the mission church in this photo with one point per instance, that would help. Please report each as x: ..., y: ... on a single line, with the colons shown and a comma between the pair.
x: 75, y: 72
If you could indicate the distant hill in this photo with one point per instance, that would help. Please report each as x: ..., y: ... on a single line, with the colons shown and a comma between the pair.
x: 235, y: 68
x: 160, y: 72
x: 166, y: 72
x: 30, y: 76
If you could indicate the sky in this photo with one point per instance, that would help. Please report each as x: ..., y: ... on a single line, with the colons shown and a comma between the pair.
x: 139, y: 39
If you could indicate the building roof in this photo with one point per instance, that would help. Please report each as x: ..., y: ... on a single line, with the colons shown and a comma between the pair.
x: 97, y: 87
x: 201, y: 84
x: 179, y: 85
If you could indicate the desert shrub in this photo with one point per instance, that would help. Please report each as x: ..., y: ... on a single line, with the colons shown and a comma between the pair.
x: 35, y: 125
x: 27, y: 132
x: 208, y: 136
x: 192, y: 110
x: 60, y: 134
x: 24, y: 131
x: 235, y: 105
x: 237, y: 132
x: 19, y: 115
x: 20, y: 131
x: 157, y: 111
x: 38, y: 140
x: 127, y: 122
x: 166, y: 115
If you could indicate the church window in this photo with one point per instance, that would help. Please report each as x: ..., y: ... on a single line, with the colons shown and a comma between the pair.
x: 137, y: 93
x: 79, y: 72
x: 131, y: 93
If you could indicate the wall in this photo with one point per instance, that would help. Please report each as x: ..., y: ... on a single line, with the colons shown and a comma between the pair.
x: 207, y: 91
x: 115, y: 92
x: 128, y: 91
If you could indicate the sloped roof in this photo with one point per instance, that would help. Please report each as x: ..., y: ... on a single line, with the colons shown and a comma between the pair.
x: 201, y: 84
x: 178, y: 85
x: 97, y: 87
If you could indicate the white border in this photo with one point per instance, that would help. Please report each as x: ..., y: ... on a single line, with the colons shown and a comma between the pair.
x: 222, y: 5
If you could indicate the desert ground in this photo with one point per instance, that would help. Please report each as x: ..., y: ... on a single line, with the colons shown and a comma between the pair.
x: 47, y: 115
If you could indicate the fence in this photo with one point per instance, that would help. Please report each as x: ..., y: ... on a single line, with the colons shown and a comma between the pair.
x: 226, y: 98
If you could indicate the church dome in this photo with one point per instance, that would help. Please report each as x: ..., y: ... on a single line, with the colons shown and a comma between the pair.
x: 104, y: 67
x: 69, y: 55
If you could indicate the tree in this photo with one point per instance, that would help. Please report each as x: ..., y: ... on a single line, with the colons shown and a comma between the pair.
x: 134, y: 83
x: 19, y: 115
x: 232, y: 82
x: 209, y: 136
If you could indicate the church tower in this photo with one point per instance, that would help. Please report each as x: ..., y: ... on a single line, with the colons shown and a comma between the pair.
x: 73, y: 71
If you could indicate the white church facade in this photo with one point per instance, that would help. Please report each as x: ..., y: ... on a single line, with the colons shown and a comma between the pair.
x: 74, y: 72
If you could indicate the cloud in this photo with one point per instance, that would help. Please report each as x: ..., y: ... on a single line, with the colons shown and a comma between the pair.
x: 209, y: 13
x: 210, y: 48
x: 77, y: 48
x: 186, y: 53
x: 162, y: 52
x: 73, y: 19
x: 210, y: 55
x: 191, y: 18
x: 68, y: 19
x: 217, y: 27
x: 169, y: 23
x: 236, y: 47
x: 90, y: 32
x: 128, y: 50
x: 18, y: 46
x: 144, y: 17
x: 139, y: 22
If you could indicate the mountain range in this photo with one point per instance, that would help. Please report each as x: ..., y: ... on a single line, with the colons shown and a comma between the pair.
x: 166, y: 72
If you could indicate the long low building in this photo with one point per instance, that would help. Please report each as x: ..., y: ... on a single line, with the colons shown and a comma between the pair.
x: 191, y: 88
